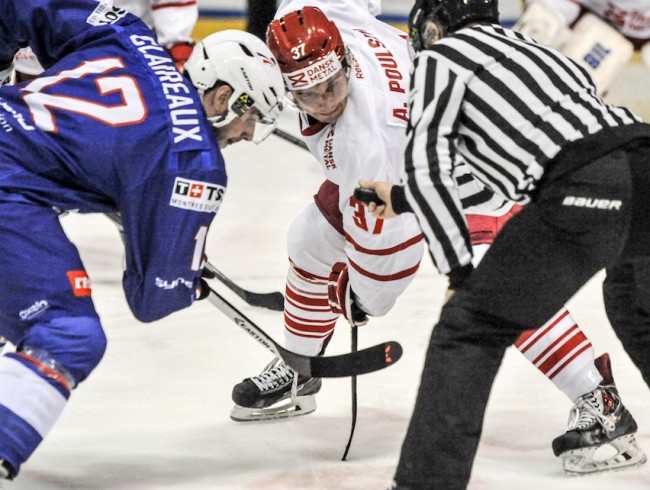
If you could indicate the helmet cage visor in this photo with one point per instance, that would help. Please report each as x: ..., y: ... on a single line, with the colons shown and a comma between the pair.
x: 243, y: 105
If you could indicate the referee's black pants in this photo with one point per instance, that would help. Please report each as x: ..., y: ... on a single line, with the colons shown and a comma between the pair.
x: 593, y: 217
x: 626, y: 293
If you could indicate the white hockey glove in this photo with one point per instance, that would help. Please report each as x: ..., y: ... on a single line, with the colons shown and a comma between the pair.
x: 341, y: 297
x: 544, y: 24
x: 5, y: 74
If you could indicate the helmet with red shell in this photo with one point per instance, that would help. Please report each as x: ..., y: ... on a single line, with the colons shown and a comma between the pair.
x: 308, y: 47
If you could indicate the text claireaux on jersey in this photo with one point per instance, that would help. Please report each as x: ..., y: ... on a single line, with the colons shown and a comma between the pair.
x: 172, y: 83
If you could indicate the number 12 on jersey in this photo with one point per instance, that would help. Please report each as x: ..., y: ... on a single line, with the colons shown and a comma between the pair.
x: 131, y: 111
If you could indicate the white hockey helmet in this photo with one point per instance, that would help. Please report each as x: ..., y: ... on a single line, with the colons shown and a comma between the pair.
x: 244, y: 62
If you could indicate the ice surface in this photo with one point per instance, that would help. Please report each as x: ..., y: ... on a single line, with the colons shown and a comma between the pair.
x: 155, y: 413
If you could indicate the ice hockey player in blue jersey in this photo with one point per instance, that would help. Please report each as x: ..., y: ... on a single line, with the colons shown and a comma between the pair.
x: 110, y: 126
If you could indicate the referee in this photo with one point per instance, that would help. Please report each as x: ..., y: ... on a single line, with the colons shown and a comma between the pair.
x: 531, y: 127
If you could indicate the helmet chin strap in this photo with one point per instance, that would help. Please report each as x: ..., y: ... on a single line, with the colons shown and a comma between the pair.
x: 226, y: 117
x: 220, y: 121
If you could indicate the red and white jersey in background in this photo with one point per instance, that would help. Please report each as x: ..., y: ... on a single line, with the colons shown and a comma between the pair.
x: 367, y: 142
x: 630, y: 17
x: 172, y: 20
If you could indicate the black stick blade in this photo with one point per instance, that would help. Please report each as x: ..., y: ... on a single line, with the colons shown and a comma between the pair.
x: 272, y: 301
x: 364, y: 361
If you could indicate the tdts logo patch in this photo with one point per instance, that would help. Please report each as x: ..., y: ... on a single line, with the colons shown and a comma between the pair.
x: 80, y: 283
x: 196, y: 195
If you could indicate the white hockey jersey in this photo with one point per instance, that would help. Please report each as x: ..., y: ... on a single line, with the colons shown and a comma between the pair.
x: 367, y: 142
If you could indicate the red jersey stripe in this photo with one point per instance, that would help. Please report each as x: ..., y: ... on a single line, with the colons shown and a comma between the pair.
x: 385, y: 278
x: 173, y: 5
x: 385, y: 251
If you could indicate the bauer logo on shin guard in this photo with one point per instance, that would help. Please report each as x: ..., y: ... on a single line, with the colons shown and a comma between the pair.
x: 196, y: 195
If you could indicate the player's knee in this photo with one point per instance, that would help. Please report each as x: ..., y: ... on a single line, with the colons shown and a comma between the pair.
x: 77, y: 343
x: 464, y: 323
x: 312, y: 238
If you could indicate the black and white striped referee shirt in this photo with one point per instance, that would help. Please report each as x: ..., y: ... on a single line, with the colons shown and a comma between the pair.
x: 505, y: 105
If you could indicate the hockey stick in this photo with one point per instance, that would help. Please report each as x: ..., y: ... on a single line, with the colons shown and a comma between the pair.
x: 290, y: 138
x: 353, y: 380
x: 273, y: 301
x: 363, y: 361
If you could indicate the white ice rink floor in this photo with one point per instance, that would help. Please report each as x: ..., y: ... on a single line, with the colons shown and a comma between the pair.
x: 155, y: 413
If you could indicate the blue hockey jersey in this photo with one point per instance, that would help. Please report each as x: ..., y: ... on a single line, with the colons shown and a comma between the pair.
x: 110, y: 126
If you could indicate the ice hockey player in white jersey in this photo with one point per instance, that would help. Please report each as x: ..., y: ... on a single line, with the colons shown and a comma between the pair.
x: 601, y: 35
x: 348, y: 77
x: 351, y: 83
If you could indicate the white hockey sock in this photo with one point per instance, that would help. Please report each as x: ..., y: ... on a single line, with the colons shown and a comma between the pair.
x: 308, y: 318
x: 563, y: 353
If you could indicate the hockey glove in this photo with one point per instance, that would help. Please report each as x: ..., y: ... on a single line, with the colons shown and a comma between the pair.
x: 202, y: 291
x: 5, y: 74
x: 180, y: 52
x: 341, y: 297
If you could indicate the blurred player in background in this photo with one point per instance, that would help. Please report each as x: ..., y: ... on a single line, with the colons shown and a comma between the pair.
x: 172, y: 21
x: 601, y: 35
x: 259, y: 14
x: 110, y: 126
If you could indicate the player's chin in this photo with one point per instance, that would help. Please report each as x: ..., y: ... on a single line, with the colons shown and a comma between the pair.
x: 330, y: 117
x: 224, y: 140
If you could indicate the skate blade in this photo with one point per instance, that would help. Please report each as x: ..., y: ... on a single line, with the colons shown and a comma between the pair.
x: 582, y: 462
x: 301, y: 405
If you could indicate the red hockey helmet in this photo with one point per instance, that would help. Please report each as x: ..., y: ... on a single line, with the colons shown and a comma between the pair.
x: 308, y: 47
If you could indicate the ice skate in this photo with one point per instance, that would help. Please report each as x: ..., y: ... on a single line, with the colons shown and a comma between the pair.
x: 600, y: 431
x: 276, y: 393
